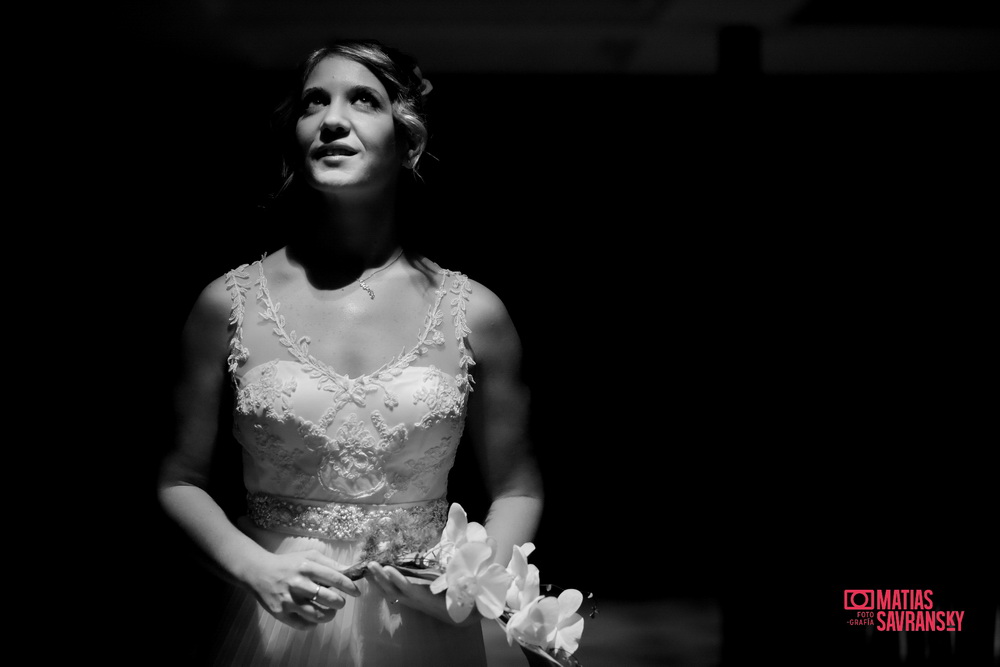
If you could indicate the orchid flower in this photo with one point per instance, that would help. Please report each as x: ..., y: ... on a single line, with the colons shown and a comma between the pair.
x: 470, y: 580
x: 548, y: 622
x: 525, y: 584
x: 457, y: 532
x: 569, y: 627
x: 532, y: 624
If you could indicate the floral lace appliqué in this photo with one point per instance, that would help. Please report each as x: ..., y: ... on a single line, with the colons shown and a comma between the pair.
x: 442, y: 399
x: 272, y: 450
x: 356, y: 453
x: 461, y: 288
x: 354, y: 458
x: 237, y: 283
x: 422, y: 471
x: 267, y: 393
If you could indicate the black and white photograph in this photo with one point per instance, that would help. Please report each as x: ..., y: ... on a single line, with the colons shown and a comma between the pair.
x: 590, y: 333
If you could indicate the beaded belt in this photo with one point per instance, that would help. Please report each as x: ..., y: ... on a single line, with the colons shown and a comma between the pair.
x: 421, y: 521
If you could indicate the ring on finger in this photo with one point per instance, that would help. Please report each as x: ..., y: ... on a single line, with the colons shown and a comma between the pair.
x: 316, y: 594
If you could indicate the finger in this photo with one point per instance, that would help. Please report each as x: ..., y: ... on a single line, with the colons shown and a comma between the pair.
x: 296, y: 621
x: 308, y: 613
x: 305, y: 591
x: 328, y: 615
x: 324, y: 560
x: 396, y: 578
x: 330, y: 577
x: 327, y: 598
x: 402, y: 585
x: 379, y: 576
x: 316, y: 614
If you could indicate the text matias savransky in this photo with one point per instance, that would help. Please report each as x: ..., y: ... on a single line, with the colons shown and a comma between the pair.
x: 895, y: 609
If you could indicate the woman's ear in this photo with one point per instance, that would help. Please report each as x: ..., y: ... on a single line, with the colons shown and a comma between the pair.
x: 414, y: 152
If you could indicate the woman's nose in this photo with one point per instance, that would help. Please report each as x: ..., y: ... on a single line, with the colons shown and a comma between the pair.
x: 336, y: 120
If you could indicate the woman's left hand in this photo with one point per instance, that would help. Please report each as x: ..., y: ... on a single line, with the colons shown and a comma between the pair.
x: 399, y: 590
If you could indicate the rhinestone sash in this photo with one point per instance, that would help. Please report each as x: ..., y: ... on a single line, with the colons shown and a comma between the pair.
x: 346, y: 521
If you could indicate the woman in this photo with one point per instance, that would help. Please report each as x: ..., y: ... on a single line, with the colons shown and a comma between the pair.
x: 349, y: 420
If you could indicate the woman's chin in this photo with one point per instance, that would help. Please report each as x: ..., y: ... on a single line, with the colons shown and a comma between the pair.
x: 332, y: 179
x: 340, y: 182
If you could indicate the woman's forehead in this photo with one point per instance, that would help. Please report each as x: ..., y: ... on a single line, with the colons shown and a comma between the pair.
x: 338, y: 70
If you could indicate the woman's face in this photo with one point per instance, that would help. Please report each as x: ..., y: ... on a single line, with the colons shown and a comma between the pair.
x: 346, y: 130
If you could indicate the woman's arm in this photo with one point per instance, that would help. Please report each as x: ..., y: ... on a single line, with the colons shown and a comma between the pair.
x: 284, y: 584
x: 197, y: 395
x: 498, y: 420
x: 499, y: 414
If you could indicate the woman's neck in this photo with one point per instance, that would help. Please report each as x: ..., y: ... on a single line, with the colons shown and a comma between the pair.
x: 338, y: 239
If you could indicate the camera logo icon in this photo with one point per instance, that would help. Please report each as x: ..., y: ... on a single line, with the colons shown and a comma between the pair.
x: 858, y: 599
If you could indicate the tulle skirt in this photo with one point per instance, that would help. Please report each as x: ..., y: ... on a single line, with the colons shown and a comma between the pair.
x: 367, y: 632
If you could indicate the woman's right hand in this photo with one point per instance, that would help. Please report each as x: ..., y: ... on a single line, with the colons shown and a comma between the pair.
x: 301, y: 589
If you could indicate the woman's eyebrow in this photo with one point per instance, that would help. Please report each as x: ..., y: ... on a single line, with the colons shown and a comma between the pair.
x: 312, y: 89
x: 352, y: 88
x: 362, y: 88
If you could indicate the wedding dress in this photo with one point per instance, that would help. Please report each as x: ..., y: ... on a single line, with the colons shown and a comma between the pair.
x: 340, y: 463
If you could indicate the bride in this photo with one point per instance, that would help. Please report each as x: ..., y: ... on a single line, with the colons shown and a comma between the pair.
x: 354, y: 366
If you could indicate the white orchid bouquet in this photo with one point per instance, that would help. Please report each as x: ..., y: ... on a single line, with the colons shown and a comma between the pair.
x: 460, y: 565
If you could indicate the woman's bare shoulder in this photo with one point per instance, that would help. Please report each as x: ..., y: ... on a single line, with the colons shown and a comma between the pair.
x: 484, y: 310
x: 491, y: 330
x: 225, y: 295
x: 214, y: 304
x: 485, y: 307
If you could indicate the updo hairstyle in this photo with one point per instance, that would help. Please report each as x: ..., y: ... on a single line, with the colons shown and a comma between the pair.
x: 396, y: 70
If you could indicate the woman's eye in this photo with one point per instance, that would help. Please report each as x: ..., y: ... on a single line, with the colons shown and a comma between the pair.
x: 312, y: 103
x: 366, y: 99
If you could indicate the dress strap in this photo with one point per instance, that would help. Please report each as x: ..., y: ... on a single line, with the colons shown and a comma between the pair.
x: 460, y: 287
x: 238, y: 283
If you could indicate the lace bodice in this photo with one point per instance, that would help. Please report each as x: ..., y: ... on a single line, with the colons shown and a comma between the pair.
x: 311, y: 433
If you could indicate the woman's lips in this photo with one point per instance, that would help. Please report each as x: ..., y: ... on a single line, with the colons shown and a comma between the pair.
x: 333, y: 151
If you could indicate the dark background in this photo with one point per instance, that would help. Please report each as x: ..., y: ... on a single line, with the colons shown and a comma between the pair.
x: 753, y: 289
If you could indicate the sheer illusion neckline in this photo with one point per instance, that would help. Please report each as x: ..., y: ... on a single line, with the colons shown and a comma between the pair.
x: 298, y: 345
